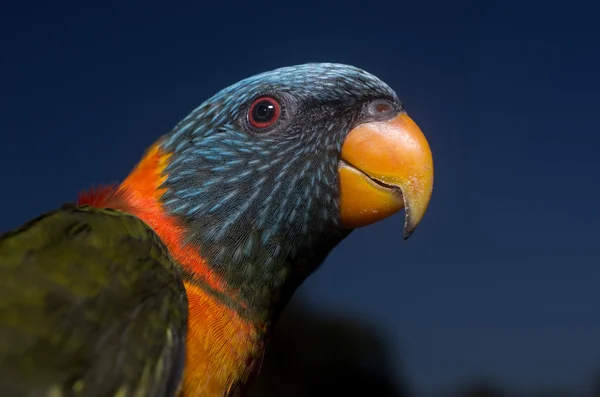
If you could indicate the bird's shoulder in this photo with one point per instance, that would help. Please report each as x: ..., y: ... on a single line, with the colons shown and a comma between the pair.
x: 91, y: 303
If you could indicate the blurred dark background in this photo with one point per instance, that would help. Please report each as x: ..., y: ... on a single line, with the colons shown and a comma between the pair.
x: 497, y: 292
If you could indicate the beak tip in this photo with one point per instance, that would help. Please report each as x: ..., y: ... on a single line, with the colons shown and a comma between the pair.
x: 408, y: 230
x: 412, y: 220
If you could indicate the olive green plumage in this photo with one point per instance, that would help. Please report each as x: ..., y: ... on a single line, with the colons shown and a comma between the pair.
x: 76, y: 286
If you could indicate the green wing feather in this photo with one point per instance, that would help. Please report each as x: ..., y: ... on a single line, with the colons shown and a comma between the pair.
x: 91, y: 303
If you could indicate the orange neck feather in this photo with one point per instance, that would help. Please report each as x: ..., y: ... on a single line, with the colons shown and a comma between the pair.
x: 223, y: 349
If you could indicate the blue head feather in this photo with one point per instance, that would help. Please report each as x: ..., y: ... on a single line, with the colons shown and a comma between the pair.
x: 264, y: 206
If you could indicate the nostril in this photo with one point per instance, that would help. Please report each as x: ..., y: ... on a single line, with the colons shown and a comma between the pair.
x: 381, y: 108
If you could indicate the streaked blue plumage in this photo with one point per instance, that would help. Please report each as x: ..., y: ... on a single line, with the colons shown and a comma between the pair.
x: 220, y: 167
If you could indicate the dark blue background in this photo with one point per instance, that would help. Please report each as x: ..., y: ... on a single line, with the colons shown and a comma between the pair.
x: 501, y: 279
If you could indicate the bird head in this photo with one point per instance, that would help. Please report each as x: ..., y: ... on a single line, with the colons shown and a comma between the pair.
x: 269, y: 174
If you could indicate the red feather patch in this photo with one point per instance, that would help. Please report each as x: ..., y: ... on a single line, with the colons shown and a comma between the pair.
x: 97, y: 196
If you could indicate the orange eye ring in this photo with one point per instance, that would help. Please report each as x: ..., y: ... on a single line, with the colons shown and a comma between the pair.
x: 264, y: 112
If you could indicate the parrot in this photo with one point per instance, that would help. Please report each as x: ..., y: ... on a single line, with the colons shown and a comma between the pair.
x: 170, y: 282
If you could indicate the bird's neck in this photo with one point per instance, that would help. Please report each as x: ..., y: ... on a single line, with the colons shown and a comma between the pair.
x: 232, y: 307
x: 255, y: 279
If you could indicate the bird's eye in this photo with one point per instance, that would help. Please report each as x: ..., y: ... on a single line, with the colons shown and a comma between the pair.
x: 264, y: 112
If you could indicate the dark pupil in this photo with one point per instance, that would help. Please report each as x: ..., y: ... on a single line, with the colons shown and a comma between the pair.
x: 264, y: 111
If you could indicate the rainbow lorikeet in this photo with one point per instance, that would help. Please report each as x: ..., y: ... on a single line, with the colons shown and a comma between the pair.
x: 170, y: 283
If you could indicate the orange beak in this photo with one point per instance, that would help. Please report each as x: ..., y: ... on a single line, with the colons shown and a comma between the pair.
x: 386, y: 166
